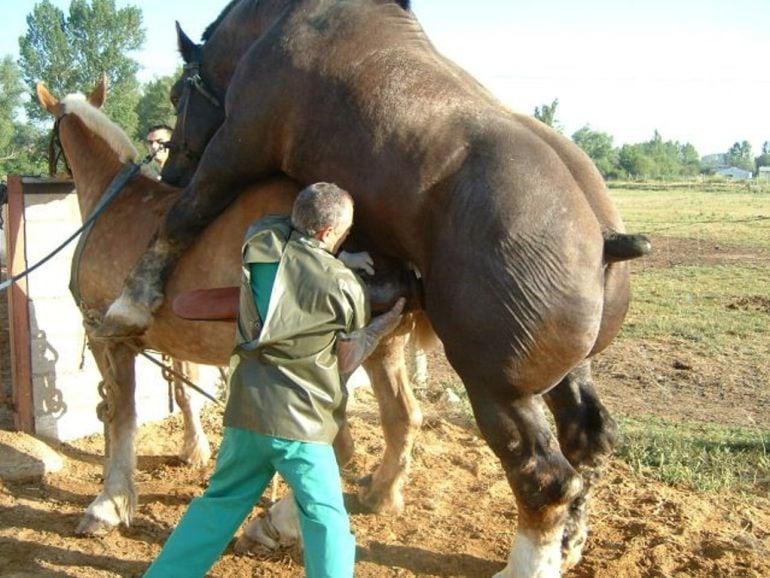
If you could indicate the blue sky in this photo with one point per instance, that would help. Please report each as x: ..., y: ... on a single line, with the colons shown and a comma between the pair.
x: 696, y: 71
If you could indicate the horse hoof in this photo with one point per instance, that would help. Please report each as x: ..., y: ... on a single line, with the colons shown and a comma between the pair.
x: 91, y: 526
x: 381, y: 503
x: 123, y: 319
x: 365, y: 481
x: 116, y: 329
x: 245, y: 546
x: 196, y: 458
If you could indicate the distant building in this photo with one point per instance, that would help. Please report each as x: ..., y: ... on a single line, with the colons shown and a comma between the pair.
x: 763, y: 174
x: 734, y: 173
x: 715, y: 161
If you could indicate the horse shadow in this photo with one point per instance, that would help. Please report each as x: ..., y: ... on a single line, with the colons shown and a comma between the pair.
x: 423, y: 562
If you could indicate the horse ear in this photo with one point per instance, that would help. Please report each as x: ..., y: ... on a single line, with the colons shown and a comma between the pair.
x: 48, y: 100
x: 99, y: 94
x: 187, y: 48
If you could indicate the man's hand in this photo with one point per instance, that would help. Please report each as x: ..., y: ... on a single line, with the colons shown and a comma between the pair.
x: 357, y: 261
x: 354, y: 348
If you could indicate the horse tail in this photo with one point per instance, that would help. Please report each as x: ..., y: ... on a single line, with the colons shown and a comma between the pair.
x: 622, y: 247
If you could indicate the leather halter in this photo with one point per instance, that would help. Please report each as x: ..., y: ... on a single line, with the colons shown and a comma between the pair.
x: 193, y: 81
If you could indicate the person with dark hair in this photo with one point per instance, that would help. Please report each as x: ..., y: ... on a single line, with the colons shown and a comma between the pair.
x: 301, y: 331
x: 156, y: 141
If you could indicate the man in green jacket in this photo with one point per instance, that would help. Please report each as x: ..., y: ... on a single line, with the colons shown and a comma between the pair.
x: 301, y: 330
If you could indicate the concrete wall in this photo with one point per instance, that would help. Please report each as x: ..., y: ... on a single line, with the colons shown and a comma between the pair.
x: 63, y: 373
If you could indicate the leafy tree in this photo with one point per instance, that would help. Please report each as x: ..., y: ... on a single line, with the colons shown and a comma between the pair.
x: 11, y: 91
x: 740, y: 156
x: 70, y: 54
x: 598, y: 146
x: 635, y: 162
x: 547, y: 113
x: 154, y: 107
x: 762, y: 160
x: 766, y: 148
x: 18, y: 142
x: 659, y: 159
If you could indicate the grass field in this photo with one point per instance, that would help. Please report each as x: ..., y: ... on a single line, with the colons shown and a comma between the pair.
x: 732, y: 215
x: 715, y: 308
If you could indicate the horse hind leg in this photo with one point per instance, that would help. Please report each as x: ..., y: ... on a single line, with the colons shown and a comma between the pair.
x: 587, y: 436
x: 195, y: 446
x: 279, y: 527
x: 543, y: 482
x: 117, y: 501
x: 401, y: 419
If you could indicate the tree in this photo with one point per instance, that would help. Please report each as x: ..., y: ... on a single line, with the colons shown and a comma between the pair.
x: 766, y: 147
x: 11, y: 91
x: 598, y: 146
x: 547, y: 114
x: 18, y: 142
x: 659, y: 159
x: 740, y: 156
x: 70, y: 54
x: 154, y: 107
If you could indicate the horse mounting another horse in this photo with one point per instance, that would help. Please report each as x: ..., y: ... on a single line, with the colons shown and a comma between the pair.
x: 97, y: 150
x: 521, y: 252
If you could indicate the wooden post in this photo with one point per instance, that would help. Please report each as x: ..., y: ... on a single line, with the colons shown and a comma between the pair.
x: 18, y: 311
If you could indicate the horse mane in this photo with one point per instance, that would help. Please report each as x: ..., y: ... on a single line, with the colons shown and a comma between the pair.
x: 97, y: 121
x: 211, y: 28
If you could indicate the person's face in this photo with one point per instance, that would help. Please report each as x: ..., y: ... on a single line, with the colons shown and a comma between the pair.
x: 156, y: 141
x: 334, y: 237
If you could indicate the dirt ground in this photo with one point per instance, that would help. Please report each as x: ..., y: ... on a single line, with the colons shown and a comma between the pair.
x: 460, y: 515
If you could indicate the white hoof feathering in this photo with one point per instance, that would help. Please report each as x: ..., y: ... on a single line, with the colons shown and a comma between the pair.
x: 129, y: 313
x: 530, y: 559
x: 279, y: 527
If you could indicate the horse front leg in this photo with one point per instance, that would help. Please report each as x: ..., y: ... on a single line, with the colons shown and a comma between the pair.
x: 117, y: 501
x: 587, y: 436
x: 401, y: 419
x: 143, y: 293
x: 195, y: 445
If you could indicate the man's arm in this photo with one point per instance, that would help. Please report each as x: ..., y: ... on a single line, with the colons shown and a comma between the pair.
x: 353, y: 348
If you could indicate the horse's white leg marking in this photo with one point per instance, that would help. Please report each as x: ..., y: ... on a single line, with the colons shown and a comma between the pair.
x: 533, y: 558
x: 195, y: 447
x: 417, y: 363
x: 278, y: 528
x: 117, y: 501
x: 126, y: 311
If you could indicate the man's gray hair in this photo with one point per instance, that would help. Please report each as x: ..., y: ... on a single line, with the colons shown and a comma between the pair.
x: 319, y: 206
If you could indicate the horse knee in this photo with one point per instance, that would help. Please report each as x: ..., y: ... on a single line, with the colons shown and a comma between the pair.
x: 546, y: 483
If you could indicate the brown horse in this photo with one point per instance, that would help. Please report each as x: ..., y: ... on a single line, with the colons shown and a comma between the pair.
x: 97, y: 149
x: 520, y: 249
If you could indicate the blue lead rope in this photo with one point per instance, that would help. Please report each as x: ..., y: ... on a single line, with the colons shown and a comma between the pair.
x: 116, y: 186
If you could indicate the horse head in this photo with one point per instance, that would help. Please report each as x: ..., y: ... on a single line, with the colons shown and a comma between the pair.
x: 198, y: 95
x: 199, y: 112
x: 96, y: 148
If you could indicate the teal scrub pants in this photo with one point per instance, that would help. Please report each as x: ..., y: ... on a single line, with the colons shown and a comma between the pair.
x: 247, y: 462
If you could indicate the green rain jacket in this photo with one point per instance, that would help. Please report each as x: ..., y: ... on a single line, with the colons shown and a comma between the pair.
x: 284, y: 380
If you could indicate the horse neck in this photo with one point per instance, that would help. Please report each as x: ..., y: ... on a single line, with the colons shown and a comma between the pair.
x: 93, y: 162
x: 233, y: 36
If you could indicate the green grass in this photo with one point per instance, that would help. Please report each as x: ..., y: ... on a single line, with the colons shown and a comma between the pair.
x: 733, y: 217
x: 710, y: 307
x: 704, y: 457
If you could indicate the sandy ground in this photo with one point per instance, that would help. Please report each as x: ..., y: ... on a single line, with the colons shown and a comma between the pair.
x: 460, y: 515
